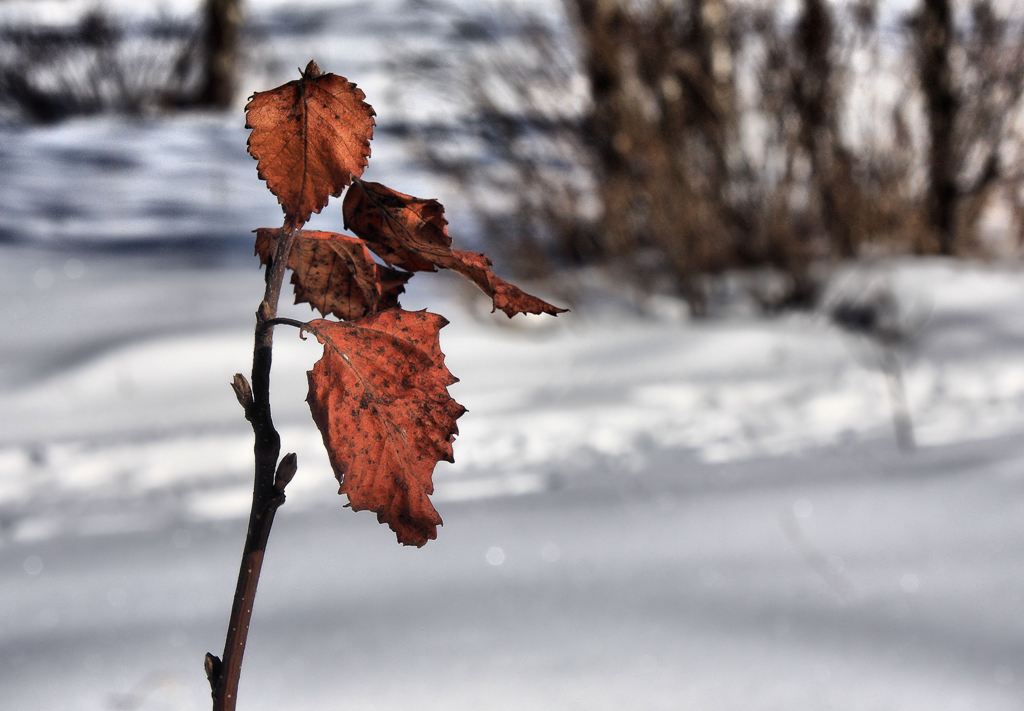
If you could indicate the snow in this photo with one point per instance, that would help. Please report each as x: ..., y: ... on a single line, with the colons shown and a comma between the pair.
x: 645, y: 511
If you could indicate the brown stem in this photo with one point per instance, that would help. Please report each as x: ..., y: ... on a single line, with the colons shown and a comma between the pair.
x: 267, y: 495
x: 282, y: 321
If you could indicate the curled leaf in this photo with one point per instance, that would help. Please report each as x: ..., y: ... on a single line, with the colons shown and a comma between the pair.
x: 504, y: 295
x: 335, y: 273
x: 409, y: 232
x: 311, y: 137
x: 412, y: 233
x: 379, y: 396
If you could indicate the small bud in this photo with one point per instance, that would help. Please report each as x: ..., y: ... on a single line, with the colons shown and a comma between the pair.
x: 265, y: 313
x: 286, y: 471
x: 312, y: 70
x: 243, y: 391
x: 213, y: 665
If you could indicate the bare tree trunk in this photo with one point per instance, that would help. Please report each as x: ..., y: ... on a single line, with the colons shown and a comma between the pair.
x: 698, y: 127
x: 709, y: 37
x: 600, y: 22
x: 223, y: 24
x: 815, y: 97
x: 935, y: 44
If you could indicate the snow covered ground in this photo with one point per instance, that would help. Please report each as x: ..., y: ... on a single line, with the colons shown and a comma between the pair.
x: 645, y: 512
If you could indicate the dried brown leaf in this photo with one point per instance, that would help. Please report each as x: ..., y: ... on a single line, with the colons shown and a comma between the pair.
x: 504, y: 295
x: 412, y: 233
x: 408, y: 232
x: 311, y: 137
x: 379, y: 396
x: 335, y: 273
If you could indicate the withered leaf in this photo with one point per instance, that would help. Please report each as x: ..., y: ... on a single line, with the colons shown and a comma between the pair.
x: 311, y: 137
x: 379, y: 396
x: 335, y: 273
x: 504, y: 295
x: 409, y: 232
x: 412, y: 233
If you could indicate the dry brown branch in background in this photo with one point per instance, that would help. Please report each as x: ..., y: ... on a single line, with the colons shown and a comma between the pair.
x: 934, y: 35
x: 988, y: 130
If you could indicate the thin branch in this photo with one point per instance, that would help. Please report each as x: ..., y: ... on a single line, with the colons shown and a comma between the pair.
x: 270, y: 478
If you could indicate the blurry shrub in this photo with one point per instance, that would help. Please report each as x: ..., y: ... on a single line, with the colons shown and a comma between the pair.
x: 515, y: 146
x: 675, y: 141
x: 101, y: 64
x: 970, y: 75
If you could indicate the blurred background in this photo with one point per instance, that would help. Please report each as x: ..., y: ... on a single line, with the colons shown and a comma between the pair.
x: 772, y: 459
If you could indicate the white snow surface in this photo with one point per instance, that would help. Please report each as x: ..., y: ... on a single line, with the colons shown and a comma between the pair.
x: 645, y: 512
